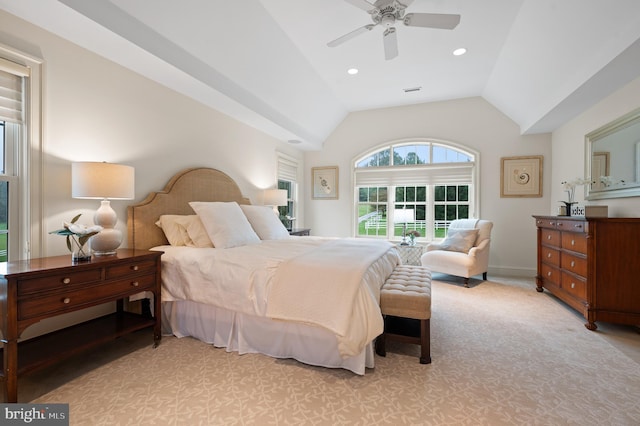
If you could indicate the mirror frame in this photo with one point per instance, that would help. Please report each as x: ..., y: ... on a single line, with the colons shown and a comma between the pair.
x: 631, y: 190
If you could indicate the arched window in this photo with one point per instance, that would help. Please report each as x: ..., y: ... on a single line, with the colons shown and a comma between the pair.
x: 417, y: 185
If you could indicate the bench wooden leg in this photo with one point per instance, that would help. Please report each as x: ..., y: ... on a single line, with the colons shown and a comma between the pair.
x: 425, y: 342
x: 381, y: 345
x: 484, y: 276
x: 466, y: 282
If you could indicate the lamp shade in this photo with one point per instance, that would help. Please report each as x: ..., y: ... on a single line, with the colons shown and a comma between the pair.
x: 403, y: 216
x: 102, y: 181
x: 275, y: 197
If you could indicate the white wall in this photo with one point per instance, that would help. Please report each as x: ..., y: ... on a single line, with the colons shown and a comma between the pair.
x: 569, y: 149
x: 472, y: 122
x: 95, y: 110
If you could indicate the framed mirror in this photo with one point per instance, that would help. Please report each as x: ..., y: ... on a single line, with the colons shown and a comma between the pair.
x: 613, y: 159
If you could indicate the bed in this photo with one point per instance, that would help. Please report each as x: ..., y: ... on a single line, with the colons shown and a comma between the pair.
x: 312, y: 299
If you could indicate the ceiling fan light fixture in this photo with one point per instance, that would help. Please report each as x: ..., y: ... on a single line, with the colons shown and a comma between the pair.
x: 459, y: 51
x: 352, y: 71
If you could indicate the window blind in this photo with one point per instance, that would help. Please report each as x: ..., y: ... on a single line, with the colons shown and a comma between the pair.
x: 434, y: 174
x: 11, y: 90
x: 287, y: 169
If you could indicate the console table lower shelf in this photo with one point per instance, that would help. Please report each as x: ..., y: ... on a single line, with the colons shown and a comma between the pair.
x: 46, y: 350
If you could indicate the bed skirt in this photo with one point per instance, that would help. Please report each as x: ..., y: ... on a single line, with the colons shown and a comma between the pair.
x: 245, y: 333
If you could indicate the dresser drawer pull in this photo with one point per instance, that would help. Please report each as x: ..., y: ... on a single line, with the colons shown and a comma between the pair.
x: 579, y: 226
x: 135, y: 283
x: 552, y: 223
x: 573, y: 242
x: 548, y: 237
x: 573, y: 285
x: 573, y: 263
x: 548, y: 254
x: 549, y: 273
x: 66, y: 300
x: 134, y: 268
x: 66, y: 280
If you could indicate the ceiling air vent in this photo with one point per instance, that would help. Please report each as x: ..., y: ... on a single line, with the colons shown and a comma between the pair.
x: 412, y: 89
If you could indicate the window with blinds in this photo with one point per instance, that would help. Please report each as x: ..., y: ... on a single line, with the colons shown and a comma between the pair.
x: 434, y: 183
x: 12, y: 121
x: 287, y: 170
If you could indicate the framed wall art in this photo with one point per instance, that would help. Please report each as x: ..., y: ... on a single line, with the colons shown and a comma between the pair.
x: 324, y: 183
x: 521, y: 176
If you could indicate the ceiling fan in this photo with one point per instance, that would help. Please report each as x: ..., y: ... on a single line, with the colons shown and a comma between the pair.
x: 386, y: 13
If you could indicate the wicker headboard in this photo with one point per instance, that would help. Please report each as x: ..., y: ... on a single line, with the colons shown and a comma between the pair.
x: 197, y: 184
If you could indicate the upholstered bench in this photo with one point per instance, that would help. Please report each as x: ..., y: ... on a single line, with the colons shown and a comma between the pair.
x: 405, y: 297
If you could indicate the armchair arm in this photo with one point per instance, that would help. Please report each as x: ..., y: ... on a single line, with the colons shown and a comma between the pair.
x: 432, y: 246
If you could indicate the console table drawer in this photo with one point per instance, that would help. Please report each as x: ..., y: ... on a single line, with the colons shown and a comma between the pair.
x: 130, y: 268
x: 44, y: 283
x: 61, y: 302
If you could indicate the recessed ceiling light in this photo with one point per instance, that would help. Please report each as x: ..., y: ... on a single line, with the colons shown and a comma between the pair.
x: 352, y: 71
x: 460, y: 51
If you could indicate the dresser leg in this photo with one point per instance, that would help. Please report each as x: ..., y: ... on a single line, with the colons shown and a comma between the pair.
x: 591, y: 326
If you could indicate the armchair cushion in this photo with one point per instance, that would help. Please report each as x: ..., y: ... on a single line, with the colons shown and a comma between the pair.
x: 459, y: 239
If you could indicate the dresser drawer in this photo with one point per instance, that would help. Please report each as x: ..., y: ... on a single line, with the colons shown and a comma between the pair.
x: 574, y: 242
x: 550, y: 273
x: 55, y: 281
x: 572, y: 226
x: 123, y: 270
x: 575, y: 264
x: 67, y: 301
x: 550, y: 237
x: 550, y: 255
x: 576, y: 286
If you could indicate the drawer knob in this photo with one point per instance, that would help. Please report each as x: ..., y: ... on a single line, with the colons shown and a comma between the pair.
x: 135, y: 283
x: 573, y: 242
x: 549, y: 273
x: 66, y: 300
x: 66, y: 280
x: 573, y: 263
x: 578, y: 226
x: 573, y: 285
x: 548, y: 254
x: 134, y: 267
x: 548, y: 237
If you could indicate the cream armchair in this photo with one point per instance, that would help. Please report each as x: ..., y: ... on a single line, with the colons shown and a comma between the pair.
x: 450, y: 257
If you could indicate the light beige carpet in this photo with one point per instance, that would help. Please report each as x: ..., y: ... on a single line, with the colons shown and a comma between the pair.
x: 502, y: 353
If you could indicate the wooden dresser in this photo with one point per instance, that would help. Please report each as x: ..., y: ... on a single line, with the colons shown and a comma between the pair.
x: 36, y: 289
x: 593, y: 265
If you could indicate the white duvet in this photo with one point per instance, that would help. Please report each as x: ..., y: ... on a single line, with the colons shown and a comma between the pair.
x: 343, y: 298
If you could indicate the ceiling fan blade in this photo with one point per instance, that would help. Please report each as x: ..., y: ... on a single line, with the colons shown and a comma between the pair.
x: 432, y: 20
x: 350, y: 35
x: 390, y: 40
x: 362, y: 4
x: 403, y: 4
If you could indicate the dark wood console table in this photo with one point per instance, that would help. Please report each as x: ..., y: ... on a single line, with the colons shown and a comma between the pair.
x: 36, y: 289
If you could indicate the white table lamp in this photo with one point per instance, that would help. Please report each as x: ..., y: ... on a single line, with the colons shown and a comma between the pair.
x: 103, y: 181
x: 403, y: 216
x: 275, y: 198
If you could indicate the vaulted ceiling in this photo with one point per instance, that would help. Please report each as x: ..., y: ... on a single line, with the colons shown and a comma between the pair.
x: 267, y: 63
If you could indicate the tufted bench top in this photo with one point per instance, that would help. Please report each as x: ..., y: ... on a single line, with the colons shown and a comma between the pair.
x: 407, y: 293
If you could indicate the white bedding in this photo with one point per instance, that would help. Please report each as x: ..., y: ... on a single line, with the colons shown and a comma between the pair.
x: 240, y: 279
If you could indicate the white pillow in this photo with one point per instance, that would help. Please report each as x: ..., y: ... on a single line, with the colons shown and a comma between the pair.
x: 264, y: 221
x: 461, y: 240
x: 171, y: 225
x: 198, y: 236
x: 225, y: 223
